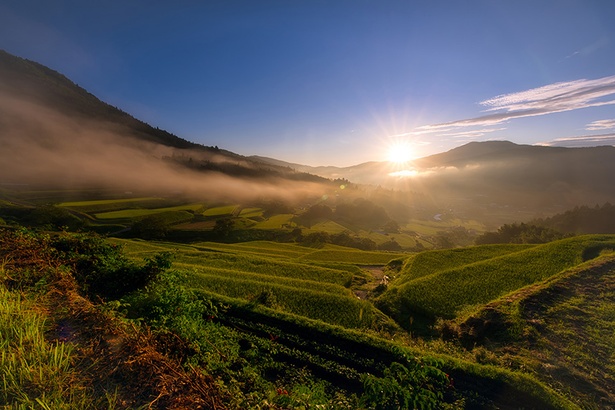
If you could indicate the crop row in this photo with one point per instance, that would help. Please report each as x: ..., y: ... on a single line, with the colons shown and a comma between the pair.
x: 262, y: 248
x: 351, y: 256
x: 220, y: 210
x: 138, y: 213
x: 275, y: 222
x: 265, y: 266
x: 198, y: 256
x: 106, y: 205
x: 345, y: 311
x: 447, y: 293
x: 429, y: 262
x: 206, y: 275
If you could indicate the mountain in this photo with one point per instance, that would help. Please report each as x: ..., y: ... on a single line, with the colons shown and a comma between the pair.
x: 28, y: 80
x: 57, y: 134
x: 481, y: 177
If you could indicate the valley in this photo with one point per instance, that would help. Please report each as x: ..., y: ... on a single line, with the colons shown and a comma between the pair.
x: 141, y: 270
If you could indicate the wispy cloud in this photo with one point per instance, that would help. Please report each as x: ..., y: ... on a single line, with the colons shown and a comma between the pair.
x: 601, y: 125
x: 558, y: 97
x: 549, y: 99
x: 590, y: 48
x: 582, y: 141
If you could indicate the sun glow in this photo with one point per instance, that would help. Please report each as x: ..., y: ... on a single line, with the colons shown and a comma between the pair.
x: 400, y: 152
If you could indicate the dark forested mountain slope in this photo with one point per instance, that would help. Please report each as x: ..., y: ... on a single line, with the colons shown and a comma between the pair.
x: 25, y: 79
x: 53, y: 130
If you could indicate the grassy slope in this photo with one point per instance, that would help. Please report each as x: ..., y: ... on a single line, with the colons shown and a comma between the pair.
x: 561, y: 330
x: 346, y: 353
x: 347, y: 255
x: 138, y: 213
x: 310, y: 304
x: 450, y: 292
x: 429, y: 262
x: 29, y: 363
x: 293, y: 286
x: 60, y: 351
x: 332, y: 352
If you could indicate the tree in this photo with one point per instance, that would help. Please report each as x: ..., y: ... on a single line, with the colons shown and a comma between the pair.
x: 391, y: 227
x: 223, y: 227
x: 520, y: 233
x: 316, y: 239
x: 391, y: 245
x: 151, y: 227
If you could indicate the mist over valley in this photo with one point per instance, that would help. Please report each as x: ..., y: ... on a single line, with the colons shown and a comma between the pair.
x: 162, y: 273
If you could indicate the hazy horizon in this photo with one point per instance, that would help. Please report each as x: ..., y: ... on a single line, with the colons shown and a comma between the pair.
x: 337, y: 83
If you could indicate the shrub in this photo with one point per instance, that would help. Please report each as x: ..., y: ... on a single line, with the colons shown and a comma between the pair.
x: 413, y: 385
x: 102, y: 270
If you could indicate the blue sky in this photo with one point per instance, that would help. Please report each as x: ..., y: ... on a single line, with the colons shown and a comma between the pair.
x: 337, y: 82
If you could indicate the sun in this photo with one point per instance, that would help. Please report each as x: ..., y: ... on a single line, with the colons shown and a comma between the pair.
x: 400, y: 152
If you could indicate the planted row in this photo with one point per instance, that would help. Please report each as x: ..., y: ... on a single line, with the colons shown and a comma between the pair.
x: 204, y: 275
x: 346, y: 311
x: 429, y: 262
x: 447, y: 293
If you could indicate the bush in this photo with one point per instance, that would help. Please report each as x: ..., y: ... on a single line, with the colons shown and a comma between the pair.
x: 413, y: 385
x: 165, y: 303
x: 101, y: 269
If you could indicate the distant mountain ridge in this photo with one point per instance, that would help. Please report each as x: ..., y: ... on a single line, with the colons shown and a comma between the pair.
x: 53, y: 130
x: 494, y: 173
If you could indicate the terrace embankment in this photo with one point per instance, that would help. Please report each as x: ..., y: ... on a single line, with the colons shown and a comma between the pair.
x: 562, y: 331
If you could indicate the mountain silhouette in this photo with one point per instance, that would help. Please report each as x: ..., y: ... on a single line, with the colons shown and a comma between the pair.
x: 55, y: 132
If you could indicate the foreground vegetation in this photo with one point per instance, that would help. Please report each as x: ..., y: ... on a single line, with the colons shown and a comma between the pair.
x: 247, y: 321
x: 259, y: 356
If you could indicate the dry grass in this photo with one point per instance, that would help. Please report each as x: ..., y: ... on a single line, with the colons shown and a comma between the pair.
x: 102, y: 361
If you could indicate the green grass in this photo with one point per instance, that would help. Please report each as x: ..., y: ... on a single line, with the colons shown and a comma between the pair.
x: 305, y: 289
x: 79, y: 204
x: 429, y: 262
x: 106, y: 205
x: 404, y: 240
x: 251, y: 212
x: 276, y: 222
x: 329, y: 227
x: 263, y: 248
x: 340, y: 354
x: 240, y: 260
x: 264, y: 266
x: 346, y: 255
x: 432, y: 227
x: 220, y: 210
x: 275, y: 331
x: 35, y: 373
x: 207, y: 275
x: 569, y: 321
x: 447, y: 293
x: 140, y: 213
x: 346, y: 311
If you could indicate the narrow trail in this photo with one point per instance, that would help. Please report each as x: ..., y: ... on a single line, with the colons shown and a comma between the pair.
x: 378, y: 277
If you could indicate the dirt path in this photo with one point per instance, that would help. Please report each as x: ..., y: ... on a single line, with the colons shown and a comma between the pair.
x: 378, y: 277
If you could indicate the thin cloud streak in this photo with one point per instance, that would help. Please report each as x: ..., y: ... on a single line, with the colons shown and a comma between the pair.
x: 601, y: 125
x: 556, y: 97
x: 549, y: 99
x: 581, y: 141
